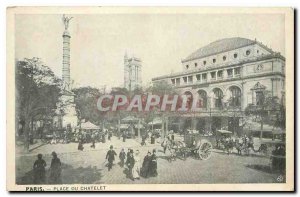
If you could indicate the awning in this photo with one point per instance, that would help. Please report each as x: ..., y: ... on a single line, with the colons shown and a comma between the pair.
x: 224, y: 131
x: 256, y: 126
x: 139, y: 126
x: 88, y: 126
x: 130, y: 119
x: 155, y: 121
x: 124, y: 126
x: 192, y: 131
x: 278, y: 131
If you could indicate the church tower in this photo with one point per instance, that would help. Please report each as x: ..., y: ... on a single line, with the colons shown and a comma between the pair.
x: 132, y: 72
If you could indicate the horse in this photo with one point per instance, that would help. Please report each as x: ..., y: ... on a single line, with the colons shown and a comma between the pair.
x: 228, y: 146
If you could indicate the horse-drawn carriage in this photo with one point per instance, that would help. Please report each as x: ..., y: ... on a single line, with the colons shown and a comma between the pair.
x: 194, y: 144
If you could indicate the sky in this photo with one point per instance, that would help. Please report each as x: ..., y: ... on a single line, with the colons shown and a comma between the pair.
x: 161, y: 41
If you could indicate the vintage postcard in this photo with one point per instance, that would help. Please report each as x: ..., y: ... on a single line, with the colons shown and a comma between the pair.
x: 150, y: 99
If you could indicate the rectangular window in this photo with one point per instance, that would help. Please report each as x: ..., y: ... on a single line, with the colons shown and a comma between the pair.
x: 220, y: 74
x: 204, y: 77
x: 213, y: 75
x: 173, y: 81
x: 260, y: 98
x: 178, y: 81
x: 198, y: 77
x: 229, y: 73
x: 190, y: 79
x: 184, y: 79
x: 237, y: 71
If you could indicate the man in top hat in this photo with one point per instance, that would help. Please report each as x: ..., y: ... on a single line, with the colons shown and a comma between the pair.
x: 130, y: 164
x: 110, y: 156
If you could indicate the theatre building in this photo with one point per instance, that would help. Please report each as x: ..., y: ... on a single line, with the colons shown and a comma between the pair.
x: 227, y: 75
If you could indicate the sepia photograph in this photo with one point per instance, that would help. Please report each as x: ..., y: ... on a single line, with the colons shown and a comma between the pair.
x: 150, y: 99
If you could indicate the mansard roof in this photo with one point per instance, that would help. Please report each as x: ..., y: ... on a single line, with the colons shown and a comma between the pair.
x: 219, y: 46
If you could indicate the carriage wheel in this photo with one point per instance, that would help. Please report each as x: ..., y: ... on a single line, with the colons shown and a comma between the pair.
x: 205, y: 150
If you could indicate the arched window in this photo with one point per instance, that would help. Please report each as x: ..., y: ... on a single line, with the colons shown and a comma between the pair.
x: 259, y: 93
x: 260, y: 98
x: 235, y: 99
x: 202, y: 98
x: 218, y: 96
x: 189, y: 99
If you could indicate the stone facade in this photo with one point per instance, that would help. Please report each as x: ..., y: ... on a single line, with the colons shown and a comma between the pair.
x: 228, y: 75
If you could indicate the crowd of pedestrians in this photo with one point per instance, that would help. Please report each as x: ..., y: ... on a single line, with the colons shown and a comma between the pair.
x: 131, y: 160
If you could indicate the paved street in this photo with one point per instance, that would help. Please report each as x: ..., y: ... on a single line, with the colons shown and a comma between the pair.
x: 88, y: 166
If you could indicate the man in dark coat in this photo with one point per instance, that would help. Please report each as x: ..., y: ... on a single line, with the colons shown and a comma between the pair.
x: 93, y: 139
x: 130, y: 164
x: 103, y: 138
x: 152, y: 139
x: 143, y: 143
x: 109, y: 135
x: 80, y: 144
x: 124, y: 136
x: 153, y: 164
x: 128, y: 153
x: 122, y: 157
x: 39, y: 170
x: 55, y: 170
x: 110, y: 156
x: 146, y: 165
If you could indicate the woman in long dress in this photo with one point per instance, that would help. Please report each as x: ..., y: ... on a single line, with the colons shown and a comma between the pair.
x: 153, y: 164
x: 146, y: 165
x: 137, y: 166
x: 55, y: 170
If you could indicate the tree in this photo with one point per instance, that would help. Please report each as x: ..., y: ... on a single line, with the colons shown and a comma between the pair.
x: 37, y: 92
x: 86, y: 104
x: 161, y: 88
x: 269, y: 111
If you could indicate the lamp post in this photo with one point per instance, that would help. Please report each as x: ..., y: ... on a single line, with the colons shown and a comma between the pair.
x: 208, y: 102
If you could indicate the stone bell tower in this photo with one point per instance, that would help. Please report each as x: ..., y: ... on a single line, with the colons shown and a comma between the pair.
x: 132, y: 72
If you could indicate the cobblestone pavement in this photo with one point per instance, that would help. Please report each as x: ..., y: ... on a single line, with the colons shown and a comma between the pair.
x: 88, y: 166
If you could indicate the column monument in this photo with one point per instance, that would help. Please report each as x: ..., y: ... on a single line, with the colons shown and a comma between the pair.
x: 66, y: 53
x: 66, y: 111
